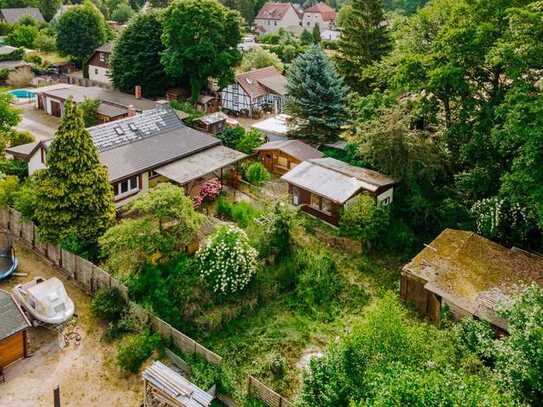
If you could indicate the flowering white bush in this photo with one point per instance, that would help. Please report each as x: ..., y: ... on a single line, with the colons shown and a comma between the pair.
x: 228, y: 262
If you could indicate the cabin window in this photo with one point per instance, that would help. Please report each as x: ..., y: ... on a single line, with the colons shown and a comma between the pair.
x: 386, y: 201
x: 326, y: 206
x: 315, y: 201
x: 282, y: 162
x: 126, y: 186
x: 96, y: 71
x: 102, y: 57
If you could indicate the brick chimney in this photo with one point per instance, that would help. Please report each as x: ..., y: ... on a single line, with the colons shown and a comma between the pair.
x: 137, y: 91
x: 131, y: 110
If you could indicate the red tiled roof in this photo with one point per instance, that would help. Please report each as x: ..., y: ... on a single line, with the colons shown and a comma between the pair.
x: 259, y: 82
x: 327, y: 12
x: 273, y: 11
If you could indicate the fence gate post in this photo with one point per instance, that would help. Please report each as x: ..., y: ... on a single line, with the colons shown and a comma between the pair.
x: 56, y: 396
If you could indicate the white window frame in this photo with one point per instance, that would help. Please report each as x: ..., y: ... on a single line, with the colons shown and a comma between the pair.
x: 132, y: 186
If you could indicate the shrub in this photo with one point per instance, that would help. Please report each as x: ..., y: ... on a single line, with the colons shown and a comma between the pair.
x: 8, y: 188
x: 249, y: 141
x: 14, y: 167
x: 280, y: 239
x: 122, y: 13
x: 45, y: 42
x: 4, y: 73
x: 243, y: 213
x: 23, y: 36
x: 33, y: 59
x: 5, y: 28
x: 16, y: 55
x: 108, y: 304
x: 136, y: 349
x: 209, y: 190
x: 25, y: 199
x: 187, y: 107
x: 228, y: 262
x: 18, y: 138
x: 257, y: 174
x: 231, y: 136
x: 89, y: 111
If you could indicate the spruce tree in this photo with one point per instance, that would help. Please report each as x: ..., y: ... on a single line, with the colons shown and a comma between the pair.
x: 316, y: 97
x: 316, y: 34
x: 74, y: 197
x: 364, y: 40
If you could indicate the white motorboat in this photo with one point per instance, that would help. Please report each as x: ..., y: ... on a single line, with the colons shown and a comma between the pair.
x: 45, y: 300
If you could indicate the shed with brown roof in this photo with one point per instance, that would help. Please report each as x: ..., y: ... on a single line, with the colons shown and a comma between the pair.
x: 281, y: 156
x: 469, y: 274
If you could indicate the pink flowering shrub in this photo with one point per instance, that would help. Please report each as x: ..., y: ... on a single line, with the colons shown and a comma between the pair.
x: 208, y: 192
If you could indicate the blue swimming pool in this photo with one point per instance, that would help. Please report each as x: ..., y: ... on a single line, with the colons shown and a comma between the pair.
x: 22, y: 94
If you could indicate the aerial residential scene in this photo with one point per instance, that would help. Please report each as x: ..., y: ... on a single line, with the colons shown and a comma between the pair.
x: 301, y: 203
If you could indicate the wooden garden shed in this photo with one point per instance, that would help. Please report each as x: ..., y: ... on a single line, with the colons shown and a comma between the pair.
x: 13, y: 327
x: 283, y: 155
x: 469, y: 274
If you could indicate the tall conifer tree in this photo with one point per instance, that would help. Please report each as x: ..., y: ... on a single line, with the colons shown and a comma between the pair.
x: 74, y: 197
x: 363, y: 40
x: 316, y: 97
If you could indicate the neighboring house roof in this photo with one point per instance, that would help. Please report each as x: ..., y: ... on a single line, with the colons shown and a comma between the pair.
x: 336, y: 180
x: 12, y: 319
x: 107, y: 47
x: 327, y: 13
x: 7, y: 49
x: 274, y: 11
x: 139, y: 143
x: 175, y: 386
x: 295, y: 148
x: 79, y: 93
x: 213, y: 118
x: 11, y: 65
x: 475, y: 273
x: 23, y: 151
x: 200, y: 164
x: 276, y: 125
x: 13, y: 15
x: 261, y: 81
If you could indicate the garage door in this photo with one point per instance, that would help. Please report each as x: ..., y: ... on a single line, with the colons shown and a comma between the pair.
x: 11, y: 349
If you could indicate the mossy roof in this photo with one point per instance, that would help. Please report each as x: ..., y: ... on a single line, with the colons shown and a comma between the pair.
x: 479, y: 272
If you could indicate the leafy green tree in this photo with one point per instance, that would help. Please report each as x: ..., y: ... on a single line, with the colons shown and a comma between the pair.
x: 10, y: 116
x: 89, y: 111
x: 364, y: 40
x: 45, y: 42
x: 23, y: 36
x: 74, y: 197
x: 122, y: 13
x: 364, y: 220
x: 201, y: 38
x: 316, y: 97
x: 231, y: 136
x: 80, y: 31
x: 166, y: 223
x: 257, y: 174
x: 249, y: 141
x: 258, y: 58
x: 49, y: 8
x: 136, y: 56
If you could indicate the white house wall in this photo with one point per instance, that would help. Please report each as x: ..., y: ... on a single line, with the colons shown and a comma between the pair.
x: 289, y: 20
x: 99, y: 74
x: 229, y: 95
x: 386, y: 197
x: 35, y: 163
x: 310, y: 20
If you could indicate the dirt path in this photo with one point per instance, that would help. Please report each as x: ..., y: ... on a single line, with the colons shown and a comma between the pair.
x: 86, y: 373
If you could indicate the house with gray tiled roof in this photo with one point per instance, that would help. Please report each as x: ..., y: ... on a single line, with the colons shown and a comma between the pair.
x: 14, y: 15
x: 144, y: 149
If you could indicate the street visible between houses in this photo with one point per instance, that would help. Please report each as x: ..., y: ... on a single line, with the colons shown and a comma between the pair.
x: 85, y: 372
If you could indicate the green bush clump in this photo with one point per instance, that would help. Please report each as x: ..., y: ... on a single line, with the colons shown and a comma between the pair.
x: 205, y: 374
x: 243, y: 213
x: 108, y: 304
x: 257, y: 174
x: 136, y: 349
x: 231, y: 136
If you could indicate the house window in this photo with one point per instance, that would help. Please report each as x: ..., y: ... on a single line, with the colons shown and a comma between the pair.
x: 102, y: 57
x: 386, y: 201
x: 96, y: 71
x: 326, y: 206
x: 282, y: 162
x: 275, y: 23
x: 315, y: 201
x: 126, y: 187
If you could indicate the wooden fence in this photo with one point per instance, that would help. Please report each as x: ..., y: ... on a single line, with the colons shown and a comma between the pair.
x: 91, y: 278
x: 259, y: 390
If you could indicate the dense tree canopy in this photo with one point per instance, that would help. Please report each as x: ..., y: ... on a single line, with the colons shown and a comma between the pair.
x: 136, y: 56
x: 201, y: 38
x: 80, y: 31
x: 74, y: 197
